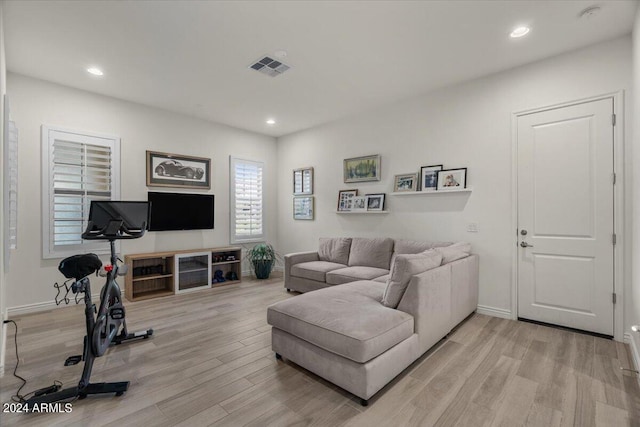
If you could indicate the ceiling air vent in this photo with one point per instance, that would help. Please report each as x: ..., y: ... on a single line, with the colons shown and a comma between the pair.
x: 269, y: 66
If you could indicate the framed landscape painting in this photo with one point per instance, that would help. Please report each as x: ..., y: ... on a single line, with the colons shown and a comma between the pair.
x: 360, y: 169
x: 175, y: 170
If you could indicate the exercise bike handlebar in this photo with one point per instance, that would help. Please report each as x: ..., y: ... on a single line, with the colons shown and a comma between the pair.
x: 115, y: 230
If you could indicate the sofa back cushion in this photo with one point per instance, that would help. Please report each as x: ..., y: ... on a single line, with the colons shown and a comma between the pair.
x: 371, y: 252
x: 403, y: 246
x: 454, y: 252
x: 334, y: 249
x: 404, y: 267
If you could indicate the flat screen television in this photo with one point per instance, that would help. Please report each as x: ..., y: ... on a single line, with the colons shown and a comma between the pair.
x: 181, y: 211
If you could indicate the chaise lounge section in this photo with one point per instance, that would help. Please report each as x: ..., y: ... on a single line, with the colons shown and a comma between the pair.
x: 361, y: 334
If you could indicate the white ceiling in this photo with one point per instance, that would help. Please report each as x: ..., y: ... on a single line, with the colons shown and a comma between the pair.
x: 192, y: 57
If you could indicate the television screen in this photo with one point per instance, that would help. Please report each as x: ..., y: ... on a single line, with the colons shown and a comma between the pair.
x: 133, y: 214
x: 181, y: 211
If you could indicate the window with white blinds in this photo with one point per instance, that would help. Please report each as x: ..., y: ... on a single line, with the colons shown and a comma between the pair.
x: 247, y: 203
x: 79, y: 168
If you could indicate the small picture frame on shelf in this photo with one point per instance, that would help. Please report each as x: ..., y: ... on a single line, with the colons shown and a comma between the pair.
x: 429, y: 177
x: 303, y: 207
x: 375, y: 202
x: 359, y: 204
x: 345, y: 199
x: 452, y: 179
x: 405, y: 182
x: 302, y: 181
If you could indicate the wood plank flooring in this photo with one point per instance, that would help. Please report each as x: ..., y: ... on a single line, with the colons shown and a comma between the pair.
x: 209, y: 363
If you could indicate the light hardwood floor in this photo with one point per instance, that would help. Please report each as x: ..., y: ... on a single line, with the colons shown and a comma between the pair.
x: 210, y: 363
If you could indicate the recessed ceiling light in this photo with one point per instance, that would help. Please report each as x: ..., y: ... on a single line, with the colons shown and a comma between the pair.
x: 271, y: 122
x: 520, y: 32
x: 95, y: 71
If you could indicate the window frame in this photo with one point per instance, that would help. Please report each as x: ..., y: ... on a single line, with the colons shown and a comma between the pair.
x: 233, y: 237
x: 48, y: 137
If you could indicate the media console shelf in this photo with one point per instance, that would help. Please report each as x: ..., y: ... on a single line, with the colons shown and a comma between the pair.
x: 158, y: 274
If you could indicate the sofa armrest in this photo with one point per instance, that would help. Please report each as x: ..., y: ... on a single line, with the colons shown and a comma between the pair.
x: 464, y: 288
x: 428, y: 300
x: 296, y: 258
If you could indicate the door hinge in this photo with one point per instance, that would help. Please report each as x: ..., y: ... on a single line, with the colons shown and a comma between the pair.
x: 614, y: 239
x: 614, y: 297
x: 614, y: 178
x: 613, y: 119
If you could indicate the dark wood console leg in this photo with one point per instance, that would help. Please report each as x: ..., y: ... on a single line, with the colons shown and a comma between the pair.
x: 278, y: 357
x: 364, y: 402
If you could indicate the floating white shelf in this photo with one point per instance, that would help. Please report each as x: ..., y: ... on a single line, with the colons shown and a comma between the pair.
x: 361, y: 212
x: 429, y: 193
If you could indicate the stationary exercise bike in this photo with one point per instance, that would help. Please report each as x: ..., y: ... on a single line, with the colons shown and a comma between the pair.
x: 110, y: 221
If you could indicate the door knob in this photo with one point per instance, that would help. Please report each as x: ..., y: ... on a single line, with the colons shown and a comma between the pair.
x: 525, y: 245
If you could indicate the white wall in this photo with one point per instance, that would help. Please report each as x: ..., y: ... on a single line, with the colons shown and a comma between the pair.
x: 634, y: 300
x: 36, y: 102
x: 467, y: 125
x: 3, y: 279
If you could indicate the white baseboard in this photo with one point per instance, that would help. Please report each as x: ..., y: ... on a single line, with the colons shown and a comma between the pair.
x: 633, y: 339
x: 493, y: 311
x: 41, y: 306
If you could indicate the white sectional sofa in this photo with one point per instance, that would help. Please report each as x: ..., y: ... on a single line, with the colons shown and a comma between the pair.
x: 360, y: 334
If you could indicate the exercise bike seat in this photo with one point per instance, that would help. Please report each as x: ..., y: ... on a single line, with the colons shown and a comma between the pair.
x: 79, y: 266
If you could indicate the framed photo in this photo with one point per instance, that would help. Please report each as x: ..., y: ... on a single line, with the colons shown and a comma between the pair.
x: 429, y: 177
x: 175, y: 170
x: 345, y: 199
x: 405, y: 182
x: 303, y: 207
x: 359, y: 169
x: 450, y: 179
x: 302, y: 181
x: 375, y: 202
x: 359, y: 204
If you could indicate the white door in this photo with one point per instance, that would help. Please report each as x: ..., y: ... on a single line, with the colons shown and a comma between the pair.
x: 565, y: 216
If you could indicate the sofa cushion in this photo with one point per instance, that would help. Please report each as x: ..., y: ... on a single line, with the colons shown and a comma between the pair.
x: 454, y: 252
x: 403, y: 246
x: 342, y: 321
x: 334, y: 249
x: 369, y: 288
x: 314, y: 270
x: 404, y: 268
x: 371, y: 252
x: 382, y: 279
x: 350, y: 274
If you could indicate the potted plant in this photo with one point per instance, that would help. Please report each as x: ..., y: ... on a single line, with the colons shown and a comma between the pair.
x: 262, y: 258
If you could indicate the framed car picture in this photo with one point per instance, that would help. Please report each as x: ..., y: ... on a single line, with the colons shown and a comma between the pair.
x: 176, y: 170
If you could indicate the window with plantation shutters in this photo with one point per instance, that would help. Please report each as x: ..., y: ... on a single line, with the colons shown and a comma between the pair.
x: 77, y: 168
x: 246, y: 204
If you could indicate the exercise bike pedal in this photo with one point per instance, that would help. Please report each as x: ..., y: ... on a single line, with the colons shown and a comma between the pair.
x: 72, y: 360
x: 117, y: 313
